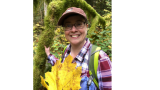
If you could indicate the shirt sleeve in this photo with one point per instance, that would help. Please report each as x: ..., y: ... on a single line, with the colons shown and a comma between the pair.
x: 104, y: 72
x: 52, y: 59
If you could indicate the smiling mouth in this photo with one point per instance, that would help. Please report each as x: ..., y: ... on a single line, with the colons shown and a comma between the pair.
x: 75, y: 36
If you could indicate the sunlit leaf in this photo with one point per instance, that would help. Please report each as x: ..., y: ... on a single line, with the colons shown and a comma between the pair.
x: 63, y: 76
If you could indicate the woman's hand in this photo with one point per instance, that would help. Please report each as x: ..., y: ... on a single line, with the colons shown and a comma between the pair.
x: 47, y: 50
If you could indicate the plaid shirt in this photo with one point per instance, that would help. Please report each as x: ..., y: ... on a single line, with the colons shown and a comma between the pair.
x: 104, y: 65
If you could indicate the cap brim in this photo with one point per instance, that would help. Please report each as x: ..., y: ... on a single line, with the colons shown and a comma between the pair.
x: 60, y: 22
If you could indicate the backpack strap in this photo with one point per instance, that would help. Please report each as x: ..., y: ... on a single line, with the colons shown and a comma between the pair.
x: 93, y: 63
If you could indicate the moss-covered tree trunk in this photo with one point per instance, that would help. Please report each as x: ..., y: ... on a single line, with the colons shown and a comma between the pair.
x: 54, y: 11
x: 40, y: 57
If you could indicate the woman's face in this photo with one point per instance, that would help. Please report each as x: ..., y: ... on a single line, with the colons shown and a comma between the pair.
x: 76, y: 36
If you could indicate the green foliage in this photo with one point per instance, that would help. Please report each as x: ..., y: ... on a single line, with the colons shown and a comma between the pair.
x: 38, y: 14
x: 35, y: 4
x: 37, y: 30
x: 48, y: 1
x: 102, y: 37
x: 100, y: 5
x: 59, y: 42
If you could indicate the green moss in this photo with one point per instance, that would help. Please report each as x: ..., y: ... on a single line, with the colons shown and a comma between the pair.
x: 93, y: 26
x: 36, y: 80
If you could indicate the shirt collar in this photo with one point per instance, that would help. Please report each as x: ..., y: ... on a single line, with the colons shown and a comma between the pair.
x: 83, y: 51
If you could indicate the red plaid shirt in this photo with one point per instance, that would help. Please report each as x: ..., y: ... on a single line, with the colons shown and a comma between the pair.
x: 104, y: 65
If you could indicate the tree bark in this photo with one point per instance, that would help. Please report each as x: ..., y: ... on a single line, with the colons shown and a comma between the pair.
x: 45, y: 8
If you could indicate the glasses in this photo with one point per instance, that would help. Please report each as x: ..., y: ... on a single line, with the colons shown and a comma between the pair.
x: 78, y: 25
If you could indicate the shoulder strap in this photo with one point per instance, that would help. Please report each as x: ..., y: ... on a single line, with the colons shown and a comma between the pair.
x: 93, y: 63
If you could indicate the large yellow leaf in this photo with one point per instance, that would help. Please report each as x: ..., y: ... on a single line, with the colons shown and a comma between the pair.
x: 64, y: 76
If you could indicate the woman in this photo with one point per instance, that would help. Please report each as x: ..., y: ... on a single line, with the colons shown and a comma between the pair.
x: 75, y: 25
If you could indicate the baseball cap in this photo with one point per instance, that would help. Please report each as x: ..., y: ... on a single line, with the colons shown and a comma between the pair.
x: 70, y: 11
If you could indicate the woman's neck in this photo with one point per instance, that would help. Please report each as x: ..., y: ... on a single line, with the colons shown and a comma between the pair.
x: 75, y: 49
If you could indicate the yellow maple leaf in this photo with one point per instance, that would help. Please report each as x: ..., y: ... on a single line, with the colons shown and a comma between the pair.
x: 43, y: 82
x: 64, y: 76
